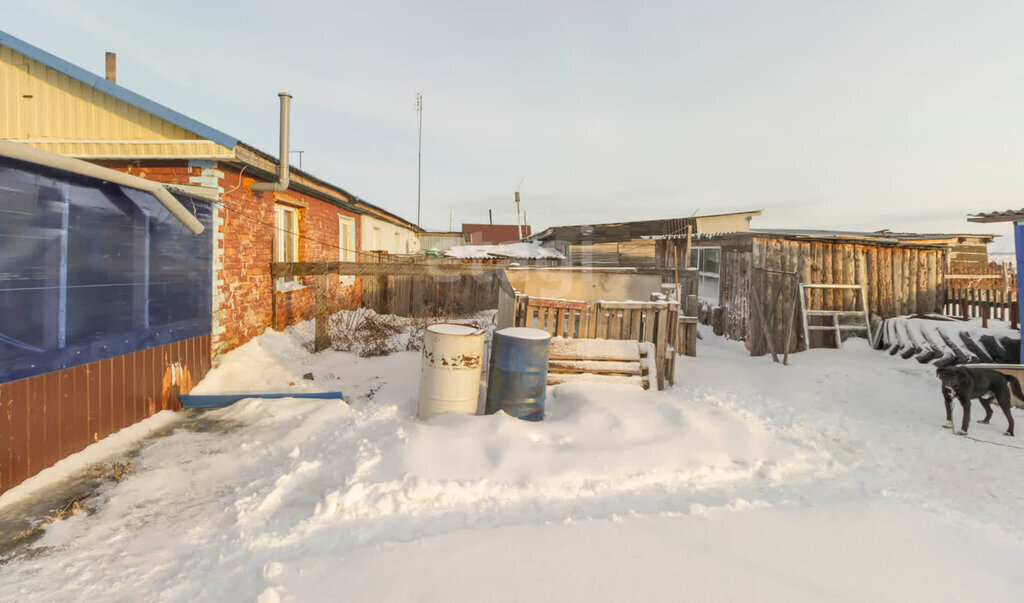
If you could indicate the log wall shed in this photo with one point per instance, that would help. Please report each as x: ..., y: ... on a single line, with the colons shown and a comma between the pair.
x: 899, y: 278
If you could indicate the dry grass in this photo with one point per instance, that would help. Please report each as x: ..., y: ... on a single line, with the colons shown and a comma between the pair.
x: 365, y: 332
x: 116, y: 471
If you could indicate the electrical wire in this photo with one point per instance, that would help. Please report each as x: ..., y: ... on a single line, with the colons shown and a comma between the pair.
x: 224, y: 203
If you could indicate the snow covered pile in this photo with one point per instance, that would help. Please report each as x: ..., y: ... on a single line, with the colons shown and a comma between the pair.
x: 829, y: 479
x: 522, y: 251
x: 946, y: 341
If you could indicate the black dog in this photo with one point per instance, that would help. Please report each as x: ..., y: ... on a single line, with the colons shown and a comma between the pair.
x: 967, y: 383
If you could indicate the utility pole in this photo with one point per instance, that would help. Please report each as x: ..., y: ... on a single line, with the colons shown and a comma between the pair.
x: 419, y: 156
x: 519, y: 217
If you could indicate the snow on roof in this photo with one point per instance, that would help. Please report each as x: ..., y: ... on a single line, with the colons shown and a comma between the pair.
x: 525, y: 251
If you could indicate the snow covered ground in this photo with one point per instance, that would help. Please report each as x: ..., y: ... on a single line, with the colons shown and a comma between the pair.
x: 830, y: 479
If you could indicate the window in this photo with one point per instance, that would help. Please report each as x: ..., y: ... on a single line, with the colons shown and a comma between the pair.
x: 286, y: 239
x: 398, y: 243
x: 286, y: 235
x: 347, y: 245
x: 707, y: 261
x: 378, y: 239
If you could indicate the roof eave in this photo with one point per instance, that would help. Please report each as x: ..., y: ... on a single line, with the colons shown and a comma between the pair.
x: 107, y: 87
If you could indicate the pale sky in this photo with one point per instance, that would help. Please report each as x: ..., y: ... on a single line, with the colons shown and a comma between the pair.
x: 853, y: 115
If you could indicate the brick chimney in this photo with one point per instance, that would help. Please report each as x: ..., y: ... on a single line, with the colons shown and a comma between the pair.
x: 112, y: 67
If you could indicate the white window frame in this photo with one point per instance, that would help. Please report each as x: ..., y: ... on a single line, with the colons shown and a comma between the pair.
x: 346, y: 245
x: 286, y: 236
x: 706, y: 277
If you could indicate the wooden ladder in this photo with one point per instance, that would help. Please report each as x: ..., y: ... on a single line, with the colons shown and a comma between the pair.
x: 836, y: 327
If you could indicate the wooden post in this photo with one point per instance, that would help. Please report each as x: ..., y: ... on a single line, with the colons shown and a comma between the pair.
x: 661, y: 345
x: 273, y: 303
x: 986, y: 307
x: 322, y: 340
x: 789, y: 322
x: 675, y: 247
x: 689, y: 246
x: 759, y: 312
x: 691, y: 305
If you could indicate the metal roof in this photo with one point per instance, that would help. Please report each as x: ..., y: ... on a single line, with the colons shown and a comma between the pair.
x: 625, y: 231
x: 493, y: 234
x: 1009, y: 215
x: 878, y: 234
x: 107, y: 87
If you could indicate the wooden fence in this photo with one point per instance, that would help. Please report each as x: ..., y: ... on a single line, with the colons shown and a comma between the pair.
x: 416, y: 286
x: 986, y: 304
x: 657, y: 322
x: 430, y: 294
x: 988, y: 292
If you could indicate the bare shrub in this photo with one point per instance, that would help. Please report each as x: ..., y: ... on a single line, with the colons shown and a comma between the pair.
x: 364, y: 332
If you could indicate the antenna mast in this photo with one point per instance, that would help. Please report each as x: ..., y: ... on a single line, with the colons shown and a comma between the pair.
x: 419, y: 155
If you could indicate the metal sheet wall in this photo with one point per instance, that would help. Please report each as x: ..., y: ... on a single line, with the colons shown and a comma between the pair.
x: 61, y: 114
x: 48, y: 417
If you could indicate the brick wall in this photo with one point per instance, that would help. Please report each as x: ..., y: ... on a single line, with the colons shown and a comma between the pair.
x: 242, y: 302
x: 243, y: 248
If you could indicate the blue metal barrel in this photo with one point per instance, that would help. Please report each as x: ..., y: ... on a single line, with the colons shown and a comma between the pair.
x: 518, y: 375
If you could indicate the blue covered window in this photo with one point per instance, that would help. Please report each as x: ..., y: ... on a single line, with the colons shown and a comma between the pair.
x: 91, y: 270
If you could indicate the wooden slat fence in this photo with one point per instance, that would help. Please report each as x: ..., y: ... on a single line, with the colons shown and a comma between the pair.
x: 656, y: 322
x: 986, y: 304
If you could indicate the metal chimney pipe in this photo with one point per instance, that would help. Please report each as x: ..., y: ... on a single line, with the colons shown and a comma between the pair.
x: 283, y: 177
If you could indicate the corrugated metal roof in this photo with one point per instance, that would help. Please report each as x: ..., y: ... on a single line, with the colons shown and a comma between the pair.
x: 626, y: 231
x: 877, y: 234
x: 103, y: 85
x: 1008, y: 215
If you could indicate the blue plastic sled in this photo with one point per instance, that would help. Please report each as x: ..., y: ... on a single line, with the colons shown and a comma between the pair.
x: 222, y: 400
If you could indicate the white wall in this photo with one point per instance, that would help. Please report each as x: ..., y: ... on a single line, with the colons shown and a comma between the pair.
x: 380, y: 235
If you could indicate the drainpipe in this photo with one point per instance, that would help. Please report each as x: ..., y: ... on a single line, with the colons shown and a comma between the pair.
x: 24, y: 152
x: 282, y: 166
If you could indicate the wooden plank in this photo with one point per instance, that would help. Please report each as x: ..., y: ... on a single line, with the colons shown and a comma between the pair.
x: 321, y: 338
x: 635, y: 322
x: 595, y: 366
x: 660, y: 346
x: 932, y: 283
x: 922, y: 282
x: 287, y: 269
x: 885, y: 295
x: 549, y: 302
x: 558, y: 379
x: 273, y: 302
x: 873, y: 279
x: 594, y: 349
x: 602, y: 321
x: 828, y: 277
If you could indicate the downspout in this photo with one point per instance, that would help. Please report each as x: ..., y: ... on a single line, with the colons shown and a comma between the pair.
x: 282, y: 165
x: 30, y: 154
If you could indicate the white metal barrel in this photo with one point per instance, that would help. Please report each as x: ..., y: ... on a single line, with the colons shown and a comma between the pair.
x: 450, y: 374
